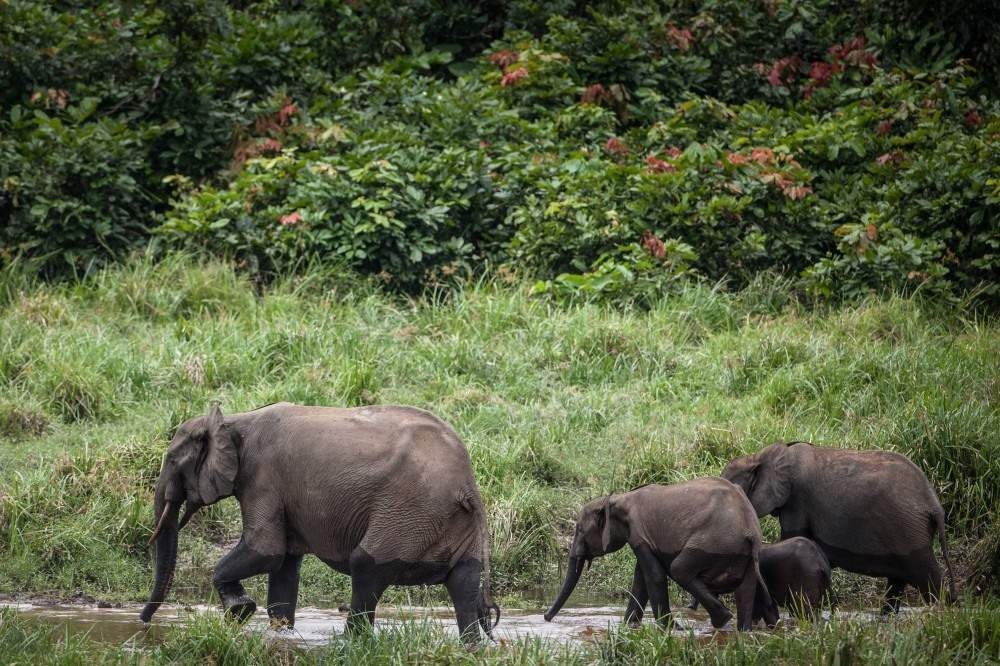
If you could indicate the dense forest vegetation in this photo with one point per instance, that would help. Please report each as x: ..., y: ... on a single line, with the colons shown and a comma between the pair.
x: 599, y: 147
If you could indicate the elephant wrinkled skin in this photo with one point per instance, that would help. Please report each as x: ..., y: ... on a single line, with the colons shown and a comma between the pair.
x: 701, y: 533
x: 385, y: 494
x: 871, y: 512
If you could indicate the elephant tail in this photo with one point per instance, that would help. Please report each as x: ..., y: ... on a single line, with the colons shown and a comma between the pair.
x: 487, y: 606
x: 762, y: 594
x: 939, y: 523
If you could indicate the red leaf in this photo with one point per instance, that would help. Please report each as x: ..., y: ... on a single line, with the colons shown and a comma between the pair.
x: 513, y: 76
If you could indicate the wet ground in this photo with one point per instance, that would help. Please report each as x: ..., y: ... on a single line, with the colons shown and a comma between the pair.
x: 315, y: 626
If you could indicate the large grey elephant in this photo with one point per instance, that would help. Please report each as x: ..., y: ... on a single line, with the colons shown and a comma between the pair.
x: 872, y: 512
x: 384, y: 494
x: 702, y: 533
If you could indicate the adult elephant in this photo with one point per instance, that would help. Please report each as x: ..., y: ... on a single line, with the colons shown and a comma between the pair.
x: 384, y: 494
x: 872, y: 512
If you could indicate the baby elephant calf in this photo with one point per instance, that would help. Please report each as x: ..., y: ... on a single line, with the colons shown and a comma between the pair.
x: 797, y: 575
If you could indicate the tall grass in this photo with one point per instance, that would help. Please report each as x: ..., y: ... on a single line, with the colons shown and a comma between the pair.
x: 558, y: 403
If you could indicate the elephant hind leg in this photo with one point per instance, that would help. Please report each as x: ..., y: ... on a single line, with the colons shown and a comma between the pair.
x: 685, y: 569
x: 283, y: 591
x: 368, y: 583
x: 893, y: 596
x: 745, y: 596
x: 463, y: 584
x: 925, y: 575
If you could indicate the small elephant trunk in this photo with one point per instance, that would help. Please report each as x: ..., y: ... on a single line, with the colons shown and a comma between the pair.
x: 572, y: 578
x: 166, y: 554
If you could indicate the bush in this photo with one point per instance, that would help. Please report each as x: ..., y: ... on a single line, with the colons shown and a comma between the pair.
x: 410, y: 212
x: 72, y: 189
x: 103, y: 101
x: 608, y: 148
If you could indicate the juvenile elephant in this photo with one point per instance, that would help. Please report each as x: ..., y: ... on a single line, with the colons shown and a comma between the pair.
x: 796, y: 574
x: 384, y: 494
x: 702, y: 533
x: 871, y: 512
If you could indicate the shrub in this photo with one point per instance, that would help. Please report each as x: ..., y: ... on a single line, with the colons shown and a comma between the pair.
x: 608, y: 148
x: 394, y: 206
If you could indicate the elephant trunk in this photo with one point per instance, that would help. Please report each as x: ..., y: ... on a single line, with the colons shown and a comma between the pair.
x: 572, y: 577
x: 165, y: 537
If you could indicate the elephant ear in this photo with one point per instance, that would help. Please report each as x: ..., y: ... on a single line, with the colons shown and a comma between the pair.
x: 771, y: 480
x: 615, y: 531
x: 217, y: 473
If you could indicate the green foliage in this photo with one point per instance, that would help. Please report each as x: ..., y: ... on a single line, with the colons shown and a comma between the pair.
x: 557, y: 403
x: 608, y: 149
x: 971, y: 28
x: 394, y: 205
x: 72, y: 188
x: 99, y: 102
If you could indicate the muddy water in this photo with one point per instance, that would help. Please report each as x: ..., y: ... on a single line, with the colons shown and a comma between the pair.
x: 315, y: 626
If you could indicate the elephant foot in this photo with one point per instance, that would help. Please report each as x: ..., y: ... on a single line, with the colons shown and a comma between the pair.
x: 280, y: 623
x: 634, y: 624
x: 888, y: 610
x: 720, y: 619
x: 240, y: 609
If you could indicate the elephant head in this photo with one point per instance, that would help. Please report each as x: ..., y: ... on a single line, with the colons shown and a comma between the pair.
x: 600, y: 529
x: 765, y: 477
x: 198, y: 469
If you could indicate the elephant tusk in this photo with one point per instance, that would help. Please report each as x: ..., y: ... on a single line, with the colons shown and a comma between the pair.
x: 159, y: 525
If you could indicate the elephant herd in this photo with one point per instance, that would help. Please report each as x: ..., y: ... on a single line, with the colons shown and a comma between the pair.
x: 387, y: 495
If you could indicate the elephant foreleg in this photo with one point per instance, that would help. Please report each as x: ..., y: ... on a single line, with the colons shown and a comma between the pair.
x: 637, y: 598
x: 283, y: 591
x: 655, y: 577
x: 239, y: 563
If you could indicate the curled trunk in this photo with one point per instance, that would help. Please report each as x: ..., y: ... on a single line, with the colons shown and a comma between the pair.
x: 572, y: 577
x: 166, y: 556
